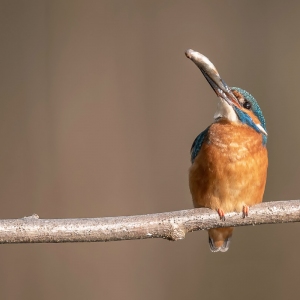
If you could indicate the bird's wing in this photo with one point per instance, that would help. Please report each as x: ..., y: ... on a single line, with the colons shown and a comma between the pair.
x: 197, y: 144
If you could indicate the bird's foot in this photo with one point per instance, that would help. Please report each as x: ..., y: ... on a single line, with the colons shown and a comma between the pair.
x: 221, y: 214
x: 245, y: 211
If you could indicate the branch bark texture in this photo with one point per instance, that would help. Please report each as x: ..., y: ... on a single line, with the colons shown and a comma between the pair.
x: 169, y: 225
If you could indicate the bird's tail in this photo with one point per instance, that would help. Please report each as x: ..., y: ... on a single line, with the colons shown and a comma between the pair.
x: 219, y: 239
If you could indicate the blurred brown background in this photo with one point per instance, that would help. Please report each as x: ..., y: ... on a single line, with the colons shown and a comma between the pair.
x: 99, y: 107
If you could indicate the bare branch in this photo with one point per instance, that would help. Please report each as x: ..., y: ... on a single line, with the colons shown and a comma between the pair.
x: 169, y: 225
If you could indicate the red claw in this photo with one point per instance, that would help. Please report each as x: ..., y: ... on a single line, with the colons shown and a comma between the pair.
x: 245, y: 211
x: 221, y: 214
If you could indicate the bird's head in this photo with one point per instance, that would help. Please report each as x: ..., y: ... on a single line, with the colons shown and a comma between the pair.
x: 235, y: 104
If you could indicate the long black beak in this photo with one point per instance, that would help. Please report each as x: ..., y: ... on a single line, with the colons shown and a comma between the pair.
x: 212, y: 76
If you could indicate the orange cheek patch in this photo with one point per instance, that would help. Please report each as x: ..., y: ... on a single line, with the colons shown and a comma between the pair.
x: 248, y: 112
x: 251, y: 115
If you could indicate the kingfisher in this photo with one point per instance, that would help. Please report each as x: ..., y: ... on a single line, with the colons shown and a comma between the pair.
x: 229, y: 158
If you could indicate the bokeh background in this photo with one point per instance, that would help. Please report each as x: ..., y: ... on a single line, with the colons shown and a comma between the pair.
x: 98, y: 109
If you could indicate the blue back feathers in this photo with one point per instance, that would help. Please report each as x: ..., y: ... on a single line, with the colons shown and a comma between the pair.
x: 244, y: 118
x: 198, y: 143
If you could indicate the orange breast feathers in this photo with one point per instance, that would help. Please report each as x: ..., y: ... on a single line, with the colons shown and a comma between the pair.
x: 230, y: 169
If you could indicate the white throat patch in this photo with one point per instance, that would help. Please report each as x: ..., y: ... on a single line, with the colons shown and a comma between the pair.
x: 224, y: 110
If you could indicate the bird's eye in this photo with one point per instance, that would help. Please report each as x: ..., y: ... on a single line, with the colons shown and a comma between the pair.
x: 247, y: 105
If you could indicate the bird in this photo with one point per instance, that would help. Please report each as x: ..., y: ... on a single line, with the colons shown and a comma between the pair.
x: 229, y: 159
